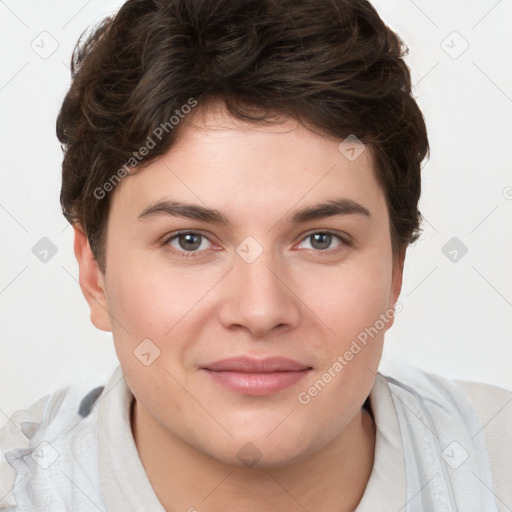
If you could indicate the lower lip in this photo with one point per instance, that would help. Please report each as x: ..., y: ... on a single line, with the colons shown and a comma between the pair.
x: 257, y: 384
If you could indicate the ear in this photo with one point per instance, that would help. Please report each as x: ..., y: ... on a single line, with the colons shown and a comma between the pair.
x: 396, y: 283
x: 91, y: 281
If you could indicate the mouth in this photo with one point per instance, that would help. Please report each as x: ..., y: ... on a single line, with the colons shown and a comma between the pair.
x: 256, y: 377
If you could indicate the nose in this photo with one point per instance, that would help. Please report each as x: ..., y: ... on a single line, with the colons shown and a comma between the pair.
x: 259, y: 297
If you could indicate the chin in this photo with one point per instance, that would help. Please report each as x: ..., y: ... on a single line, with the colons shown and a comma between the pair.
x: 259, y: 452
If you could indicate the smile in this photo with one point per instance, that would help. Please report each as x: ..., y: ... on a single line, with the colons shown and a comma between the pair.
x: 257, y: 377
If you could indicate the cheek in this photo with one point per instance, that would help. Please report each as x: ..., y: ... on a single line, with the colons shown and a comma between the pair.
x: 148, y: 297
x: 135, y: 301
x: 359, y: 298
x: 140, y: 308
x: 350, y: 310
x: 148, y: 301
x: 365, y: 299
x: 146, y: 334
x: 348, y: 301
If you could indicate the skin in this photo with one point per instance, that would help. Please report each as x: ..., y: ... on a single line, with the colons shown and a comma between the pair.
x: 296, y: 300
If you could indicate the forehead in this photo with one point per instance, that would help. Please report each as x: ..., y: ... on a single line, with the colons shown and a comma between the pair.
x: 234, y: 165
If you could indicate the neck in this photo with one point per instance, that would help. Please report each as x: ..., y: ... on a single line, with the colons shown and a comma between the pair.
x: 334, y: 478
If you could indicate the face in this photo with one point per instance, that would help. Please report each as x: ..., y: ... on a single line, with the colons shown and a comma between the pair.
x: 259, y: 272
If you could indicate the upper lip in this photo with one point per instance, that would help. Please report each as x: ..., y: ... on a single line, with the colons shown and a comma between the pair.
x: 250, y: 365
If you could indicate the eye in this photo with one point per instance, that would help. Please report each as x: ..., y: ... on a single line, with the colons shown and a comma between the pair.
x: 322, y: 240
x: 187, y: 242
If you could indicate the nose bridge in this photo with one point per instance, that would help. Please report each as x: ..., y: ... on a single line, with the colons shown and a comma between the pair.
x: 261, y: 298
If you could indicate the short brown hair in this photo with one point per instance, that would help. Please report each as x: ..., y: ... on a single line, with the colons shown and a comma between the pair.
x: 332, y: 64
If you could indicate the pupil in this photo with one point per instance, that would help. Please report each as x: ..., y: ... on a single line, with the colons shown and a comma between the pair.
x: 324, y: 238
x: 188, y: 238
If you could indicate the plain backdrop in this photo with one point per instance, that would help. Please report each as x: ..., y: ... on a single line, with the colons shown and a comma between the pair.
x: 457, y: 290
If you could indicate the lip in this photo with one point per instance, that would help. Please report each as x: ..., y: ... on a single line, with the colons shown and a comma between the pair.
x: 257, y: 377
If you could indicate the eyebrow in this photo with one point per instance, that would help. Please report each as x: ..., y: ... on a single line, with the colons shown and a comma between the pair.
x: 331, y: 208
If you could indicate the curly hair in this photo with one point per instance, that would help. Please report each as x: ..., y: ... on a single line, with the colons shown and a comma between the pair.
x: 333, y: 64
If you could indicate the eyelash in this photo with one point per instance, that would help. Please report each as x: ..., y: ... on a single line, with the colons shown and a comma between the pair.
x: 191, y: 254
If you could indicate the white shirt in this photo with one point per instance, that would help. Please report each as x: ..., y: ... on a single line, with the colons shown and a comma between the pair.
x: 432, y: 452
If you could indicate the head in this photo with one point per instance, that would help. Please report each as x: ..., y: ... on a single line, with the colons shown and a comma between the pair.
x: 245, y: 114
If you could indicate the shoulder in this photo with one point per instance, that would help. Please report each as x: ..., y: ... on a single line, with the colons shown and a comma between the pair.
x: 491, y: 403
x: 493, y: 406
x: 482, y: 397
x: 453, y: 399
x: 34, y: 438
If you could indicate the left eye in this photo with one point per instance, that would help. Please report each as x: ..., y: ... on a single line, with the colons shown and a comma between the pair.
x: 321, y: 240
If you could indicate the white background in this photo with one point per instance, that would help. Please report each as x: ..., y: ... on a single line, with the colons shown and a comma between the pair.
x: 457, y: 317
